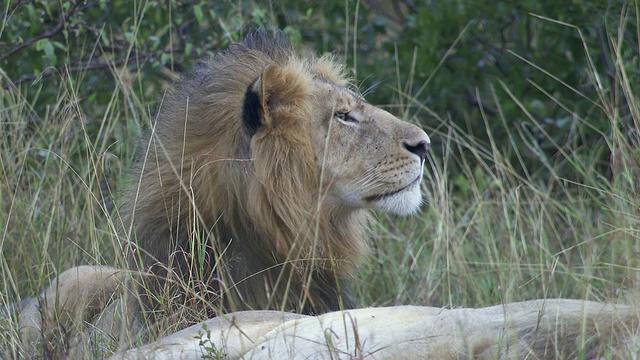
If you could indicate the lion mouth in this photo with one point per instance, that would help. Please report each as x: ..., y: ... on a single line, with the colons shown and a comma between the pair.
x: 382, y: 196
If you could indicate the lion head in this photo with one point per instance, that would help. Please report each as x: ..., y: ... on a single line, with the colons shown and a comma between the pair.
x: 258, y: 173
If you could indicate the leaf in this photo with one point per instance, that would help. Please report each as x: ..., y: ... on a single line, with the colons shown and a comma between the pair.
x: 197, y: 10
x: 165, y: 58
x: 60, y: 45
x: 105, y: 39
x: 49, y: 51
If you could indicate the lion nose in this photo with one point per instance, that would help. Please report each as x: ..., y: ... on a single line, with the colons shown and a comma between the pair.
x: 420, y: 148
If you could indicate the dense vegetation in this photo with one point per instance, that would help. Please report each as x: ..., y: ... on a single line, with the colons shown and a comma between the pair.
x: 532, y: 184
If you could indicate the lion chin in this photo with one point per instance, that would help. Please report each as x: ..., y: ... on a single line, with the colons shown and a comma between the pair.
x: 404, y: 202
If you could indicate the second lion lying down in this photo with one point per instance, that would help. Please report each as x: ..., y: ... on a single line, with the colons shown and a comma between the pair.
x: 538, y: 329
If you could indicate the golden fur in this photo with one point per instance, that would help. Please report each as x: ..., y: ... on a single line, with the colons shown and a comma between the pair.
x: 537, y: 329
x: 255, y: 178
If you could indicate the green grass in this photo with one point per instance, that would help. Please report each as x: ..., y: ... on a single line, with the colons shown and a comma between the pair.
x: 495, y: 231
x: 491, y: 231
x: 55, y: 182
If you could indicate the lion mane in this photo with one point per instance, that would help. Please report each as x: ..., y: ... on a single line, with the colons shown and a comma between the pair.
x: 229, y: 172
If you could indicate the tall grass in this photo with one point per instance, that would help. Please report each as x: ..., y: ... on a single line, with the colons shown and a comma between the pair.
x: 490, y: 233
x: 58, y: 169
x: 493, y: 231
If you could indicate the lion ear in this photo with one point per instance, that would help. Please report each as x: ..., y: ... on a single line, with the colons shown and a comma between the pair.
x: 282, y: 93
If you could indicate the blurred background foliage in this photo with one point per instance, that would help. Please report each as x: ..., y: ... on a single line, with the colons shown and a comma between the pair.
x: 446, y: 64
x: 449, y: 65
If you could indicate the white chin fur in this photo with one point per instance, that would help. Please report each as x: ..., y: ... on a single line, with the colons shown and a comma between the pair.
x: 405, y: 203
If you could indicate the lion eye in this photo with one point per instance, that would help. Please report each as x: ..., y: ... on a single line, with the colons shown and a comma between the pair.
x: 345, y: 116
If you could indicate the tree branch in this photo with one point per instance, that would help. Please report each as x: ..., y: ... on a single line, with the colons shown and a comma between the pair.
x: 49, y: 34
x: 82, y: 67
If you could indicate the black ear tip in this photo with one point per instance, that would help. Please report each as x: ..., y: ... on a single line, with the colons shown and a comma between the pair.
x: 251, y: 111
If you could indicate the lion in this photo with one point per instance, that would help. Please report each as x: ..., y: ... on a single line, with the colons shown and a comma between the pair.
x: 255, y: 180
x: 537, y: 329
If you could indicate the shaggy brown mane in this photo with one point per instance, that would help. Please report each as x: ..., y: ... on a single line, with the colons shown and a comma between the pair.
x: 229, y: 170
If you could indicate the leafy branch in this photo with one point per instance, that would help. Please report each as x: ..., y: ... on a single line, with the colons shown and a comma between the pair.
x: 46, y: 35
